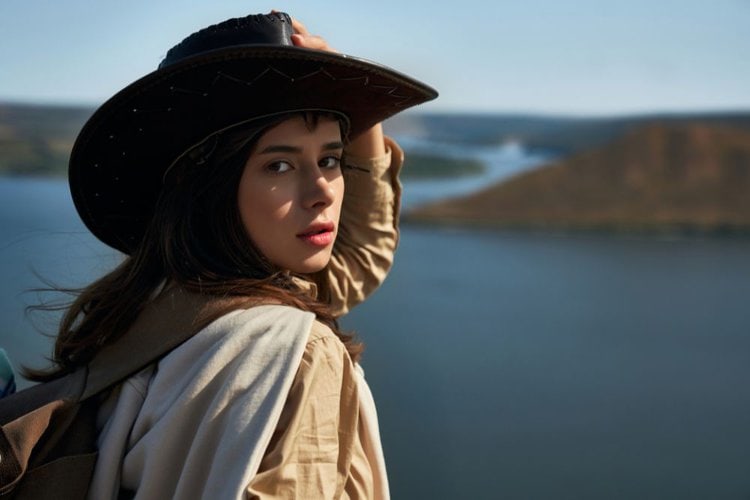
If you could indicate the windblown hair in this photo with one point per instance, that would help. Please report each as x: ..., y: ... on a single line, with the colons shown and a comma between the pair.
x: 195, y: 240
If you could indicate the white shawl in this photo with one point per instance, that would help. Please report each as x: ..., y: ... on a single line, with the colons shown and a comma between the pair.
x: 196, y: 425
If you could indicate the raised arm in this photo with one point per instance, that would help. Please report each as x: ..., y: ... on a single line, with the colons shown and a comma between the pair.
x: 368, y: 232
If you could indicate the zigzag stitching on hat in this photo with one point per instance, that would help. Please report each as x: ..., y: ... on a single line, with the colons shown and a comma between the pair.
x: 271, y: 68
x: 187, y: 91
x: 151, y: 110
x: 221, y: 74
x: 385, y: 89
x: 391, y: 91
x: 353, y: 78
x: 388, y: 89
x: 317, y: 71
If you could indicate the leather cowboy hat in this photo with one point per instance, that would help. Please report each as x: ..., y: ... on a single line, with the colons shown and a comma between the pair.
x: 217, y: 78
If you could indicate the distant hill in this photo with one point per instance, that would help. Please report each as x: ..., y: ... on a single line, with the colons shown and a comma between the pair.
x: 559, y: 135
x: 36, y: 140
x: 663, y: 176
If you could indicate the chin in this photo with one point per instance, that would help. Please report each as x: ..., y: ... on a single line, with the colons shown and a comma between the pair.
x: 308, y: 269
x: 311, y: 265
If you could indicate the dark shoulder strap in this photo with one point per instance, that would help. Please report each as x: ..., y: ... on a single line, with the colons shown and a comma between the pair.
x: 168, y: 321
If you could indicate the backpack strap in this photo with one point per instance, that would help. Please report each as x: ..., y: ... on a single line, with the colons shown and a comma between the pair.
x: 166, y: 322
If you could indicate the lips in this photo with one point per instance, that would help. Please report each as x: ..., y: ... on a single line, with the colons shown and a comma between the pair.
x: 319, y: 234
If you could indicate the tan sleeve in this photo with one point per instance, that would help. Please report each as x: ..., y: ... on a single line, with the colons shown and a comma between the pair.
x: 368, y: 232
x: 310, y: 453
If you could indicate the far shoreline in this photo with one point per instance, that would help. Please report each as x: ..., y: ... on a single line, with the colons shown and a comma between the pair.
x: 650, y: 231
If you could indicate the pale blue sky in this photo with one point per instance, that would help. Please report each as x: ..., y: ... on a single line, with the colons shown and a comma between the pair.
x: 544, y: 56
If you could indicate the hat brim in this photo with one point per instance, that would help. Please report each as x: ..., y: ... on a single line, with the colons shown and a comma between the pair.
x: 119, y: 158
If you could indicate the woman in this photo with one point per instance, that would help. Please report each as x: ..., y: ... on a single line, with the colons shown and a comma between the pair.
x: 250, y: 171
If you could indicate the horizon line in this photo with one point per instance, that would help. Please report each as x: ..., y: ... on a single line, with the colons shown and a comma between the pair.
x: 590, y: 114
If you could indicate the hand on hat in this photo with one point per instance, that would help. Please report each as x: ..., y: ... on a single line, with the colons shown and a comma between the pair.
x: 369, y: 144
x: 303, y: 38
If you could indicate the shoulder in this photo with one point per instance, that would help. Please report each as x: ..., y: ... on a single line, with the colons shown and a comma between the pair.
x: 323, y: 343
x: 325, y: 361
x: 319, y: 332
x: 259, y: 347
x: 271, y: 331
x: 268, y: 313
x: 262, y: 334
x: 325, y: 375
x: 264, y: 320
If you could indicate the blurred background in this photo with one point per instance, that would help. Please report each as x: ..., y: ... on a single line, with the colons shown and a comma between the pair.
x: 567, y: 316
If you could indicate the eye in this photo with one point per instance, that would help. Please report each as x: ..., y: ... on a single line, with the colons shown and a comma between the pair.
x: 330, y: 162
x: 279, y: 167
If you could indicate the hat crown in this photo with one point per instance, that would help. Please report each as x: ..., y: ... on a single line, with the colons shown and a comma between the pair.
x: 257, y: 29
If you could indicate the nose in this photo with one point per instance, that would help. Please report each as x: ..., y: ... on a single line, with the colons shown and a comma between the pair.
x: 318, y: 192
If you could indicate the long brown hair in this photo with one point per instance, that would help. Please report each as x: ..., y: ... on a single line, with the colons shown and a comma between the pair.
x: 195, y: 240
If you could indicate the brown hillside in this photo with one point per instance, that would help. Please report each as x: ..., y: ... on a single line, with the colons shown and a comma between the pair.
x: 655, y: 177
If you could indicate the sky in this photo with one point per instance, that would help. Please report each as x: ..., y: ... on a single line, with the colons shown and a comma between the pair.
x: 582, y: 57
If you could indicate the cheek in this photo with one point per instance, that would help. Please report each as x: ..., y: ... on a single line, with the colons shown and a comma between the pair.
x: 261, y: 208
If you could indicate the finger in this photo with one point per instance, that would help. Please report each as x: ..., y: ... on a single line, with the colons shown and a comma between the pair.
x: 298, y: 40
x: 303, y: 38
x: 299, y: 27
x: 311, y: 42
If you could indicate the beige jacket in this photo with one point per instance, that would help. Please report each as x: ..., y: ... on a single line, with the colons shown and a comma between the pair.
x: 264, y: 402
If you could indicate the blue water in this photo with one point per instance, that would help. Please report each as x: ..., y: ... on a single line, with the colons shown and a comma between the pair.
x: 40, y: 237
x: 500, y: 161
x: 505, y: 365
x: 535, y: 366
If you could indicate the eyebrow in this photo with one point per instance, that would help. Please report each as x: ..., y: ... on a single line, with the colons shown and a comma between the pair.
x: 282, y: 148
